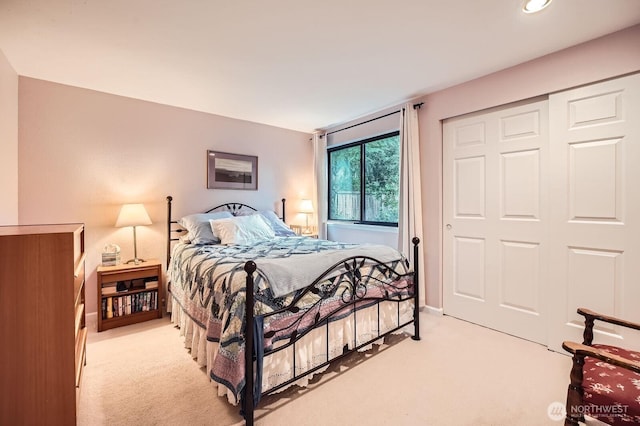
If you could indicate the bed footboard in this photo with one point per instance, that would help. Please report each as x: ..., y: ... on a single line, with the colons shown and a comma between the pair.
x: 359, y: 292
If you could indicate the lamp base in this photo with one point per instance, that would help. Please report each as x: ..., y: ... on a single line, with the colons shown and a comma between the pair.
x: 135, y: 261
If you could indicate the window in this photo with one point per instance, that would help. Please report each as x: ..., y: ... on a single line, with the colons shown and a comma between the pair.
x: 364, y: 180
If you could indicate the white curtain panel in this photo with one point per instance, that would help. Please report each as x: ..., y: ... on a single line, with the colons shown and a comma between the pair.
x: 319, y: 141
x: 410, y: 211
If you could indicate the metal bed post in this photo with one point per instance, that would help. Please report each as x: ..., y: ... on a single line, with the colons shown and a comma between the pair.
x: 169, y: 199
x: 283, y: 210
x: 416, y: 286
x: 249, y: 268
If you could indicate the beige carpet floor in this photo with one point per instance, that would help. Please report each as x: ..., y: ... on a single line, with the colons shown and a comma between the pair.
x: 458, y: 374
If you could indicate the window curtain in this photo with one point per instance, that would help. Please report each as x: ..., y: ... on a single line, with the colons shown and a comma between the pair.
x: 410, y: 208
x: 320, y: 183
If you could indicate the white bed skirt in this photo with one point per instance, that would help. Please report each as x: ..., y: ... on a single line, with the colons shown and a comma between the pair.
x: 310, y: 351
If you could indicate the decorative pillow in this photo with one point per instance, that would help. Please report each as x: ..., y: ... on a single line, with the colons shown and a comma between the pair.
x: 245, y: 212
x: 199, y: 227
x: 242, y: 230
x: 279, y: 227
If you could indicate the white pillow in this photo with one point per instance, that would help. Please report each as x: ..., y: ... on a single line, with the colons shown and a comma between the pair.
x: 242, y: 230
x: 279, y: 227
x: 198, y: 227
x: 216, y: 236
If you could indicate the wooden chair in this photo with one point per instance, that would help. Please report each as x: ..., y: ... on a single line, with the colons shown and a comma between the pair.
x: 605, y: 380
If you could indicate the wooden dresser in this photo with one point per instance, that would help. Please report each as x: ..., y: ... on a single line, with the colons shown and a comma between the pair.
x: 42, y: 323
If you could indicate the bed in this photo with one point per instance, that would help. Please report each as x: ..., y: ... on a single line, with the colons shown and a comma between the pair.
x: 313, y: 301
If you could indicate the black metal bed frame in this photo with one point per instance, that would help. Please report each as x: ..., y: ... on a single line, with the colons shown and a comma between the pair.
x: 396, y: 288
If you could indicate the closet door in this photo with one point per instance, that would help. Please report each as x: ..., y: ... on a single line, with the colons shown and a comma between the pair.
x: 595, y: 209
x: 495, y: 216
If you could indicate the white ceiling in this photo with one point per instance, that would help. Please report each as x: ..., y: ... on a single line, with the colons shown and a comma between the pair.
x: 296, y: 64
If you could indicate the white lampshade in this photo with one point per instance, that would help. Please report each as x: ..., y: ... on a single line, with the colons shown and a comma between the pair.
x: 133, y: 215
x: 306, y: 206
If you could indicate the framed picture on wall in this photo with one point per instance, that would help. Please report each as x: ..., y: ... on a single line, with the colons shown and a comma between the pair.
x: 231, y: 171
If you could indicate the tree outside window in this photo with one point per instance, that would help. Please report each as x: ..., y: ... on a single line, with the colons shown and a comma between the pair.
x: 364, y: 181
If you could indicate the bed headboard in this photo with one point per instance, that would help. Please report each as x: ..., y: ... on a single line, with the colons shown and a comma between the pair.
x: 175, y: 231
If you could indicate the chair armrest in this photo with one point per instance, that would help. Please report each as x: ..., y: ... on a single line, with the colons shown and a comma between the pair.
x: 590, y: 317
x: 612, y: 320
x: 583, y: 350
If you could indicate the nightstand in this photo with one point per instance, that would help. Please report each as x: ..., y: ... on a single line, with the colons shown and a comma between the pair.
x: 129, y: 293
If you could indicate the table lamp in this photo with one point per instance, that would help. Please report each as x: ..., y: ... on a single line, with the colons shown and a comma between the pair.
x: 306, y: 207
x: 133, y: 215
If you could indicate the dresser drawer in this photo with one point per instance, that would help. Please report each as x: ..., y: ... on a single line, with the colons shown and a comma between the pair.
x: 78, y: 244
x: 78, y: 281
x: 81, y: 344
x: 79, y: 319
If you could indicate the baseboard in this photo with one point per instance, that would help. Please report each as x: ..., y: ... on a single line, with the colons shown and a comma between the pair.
x: 433, y: 310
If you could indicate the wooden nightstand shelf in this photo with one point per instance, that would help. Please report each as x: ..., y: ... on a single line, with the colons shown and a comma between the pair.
x: 140, y: 297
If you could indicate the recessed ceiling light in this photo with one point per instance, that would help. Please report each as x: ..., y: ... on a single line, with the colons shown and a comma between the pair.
x: 533, y: 6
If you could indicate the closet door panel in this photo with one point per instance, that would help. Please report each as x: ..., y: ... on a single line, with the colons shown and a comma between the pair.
x: 595, y: 219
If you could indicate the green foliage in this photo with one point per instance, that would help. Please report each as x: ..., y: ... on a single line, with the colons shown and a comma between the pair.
x: 345, y: 170
x: 382, y: 179
x: 345, y: 183
x: 381, y: 186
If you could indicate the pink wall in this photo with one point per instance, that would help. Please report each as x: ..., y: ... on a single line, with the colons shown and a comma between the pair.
x: 82, y: 154
x: 606, y: 57
x: 8, y: 143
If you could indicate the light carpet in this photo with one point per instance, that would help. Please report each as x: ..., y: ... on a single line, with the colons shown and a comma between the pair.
x: 458, y: 374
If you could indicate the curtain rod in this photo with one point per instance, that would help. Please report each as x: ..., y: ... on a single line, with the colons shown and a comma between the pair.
x: 415, y: 106
x: 364, y: 122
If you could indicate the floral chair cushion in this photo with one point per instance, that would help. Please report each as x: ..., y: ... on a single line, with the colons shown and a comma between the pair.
x: 611, y: 393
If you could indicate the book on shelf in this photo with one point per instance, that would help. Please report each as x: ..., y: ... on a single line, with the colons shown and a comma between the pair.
x: 110, y: 307
x: 109, y: 288
x: 151, y: 284
x: 117, y: 306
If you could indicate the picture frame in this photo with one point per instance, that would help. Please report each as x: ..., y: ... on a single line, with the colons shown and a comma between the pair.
x: 231, y: 171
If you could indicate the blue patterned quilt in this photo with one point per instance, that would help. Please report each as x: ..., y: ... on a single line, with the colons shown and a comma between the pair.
x: 208, y: 281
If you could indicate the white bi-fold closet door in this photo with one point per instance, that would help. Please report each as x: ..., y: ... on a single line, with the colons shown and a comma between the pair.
x: 541, y: 213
